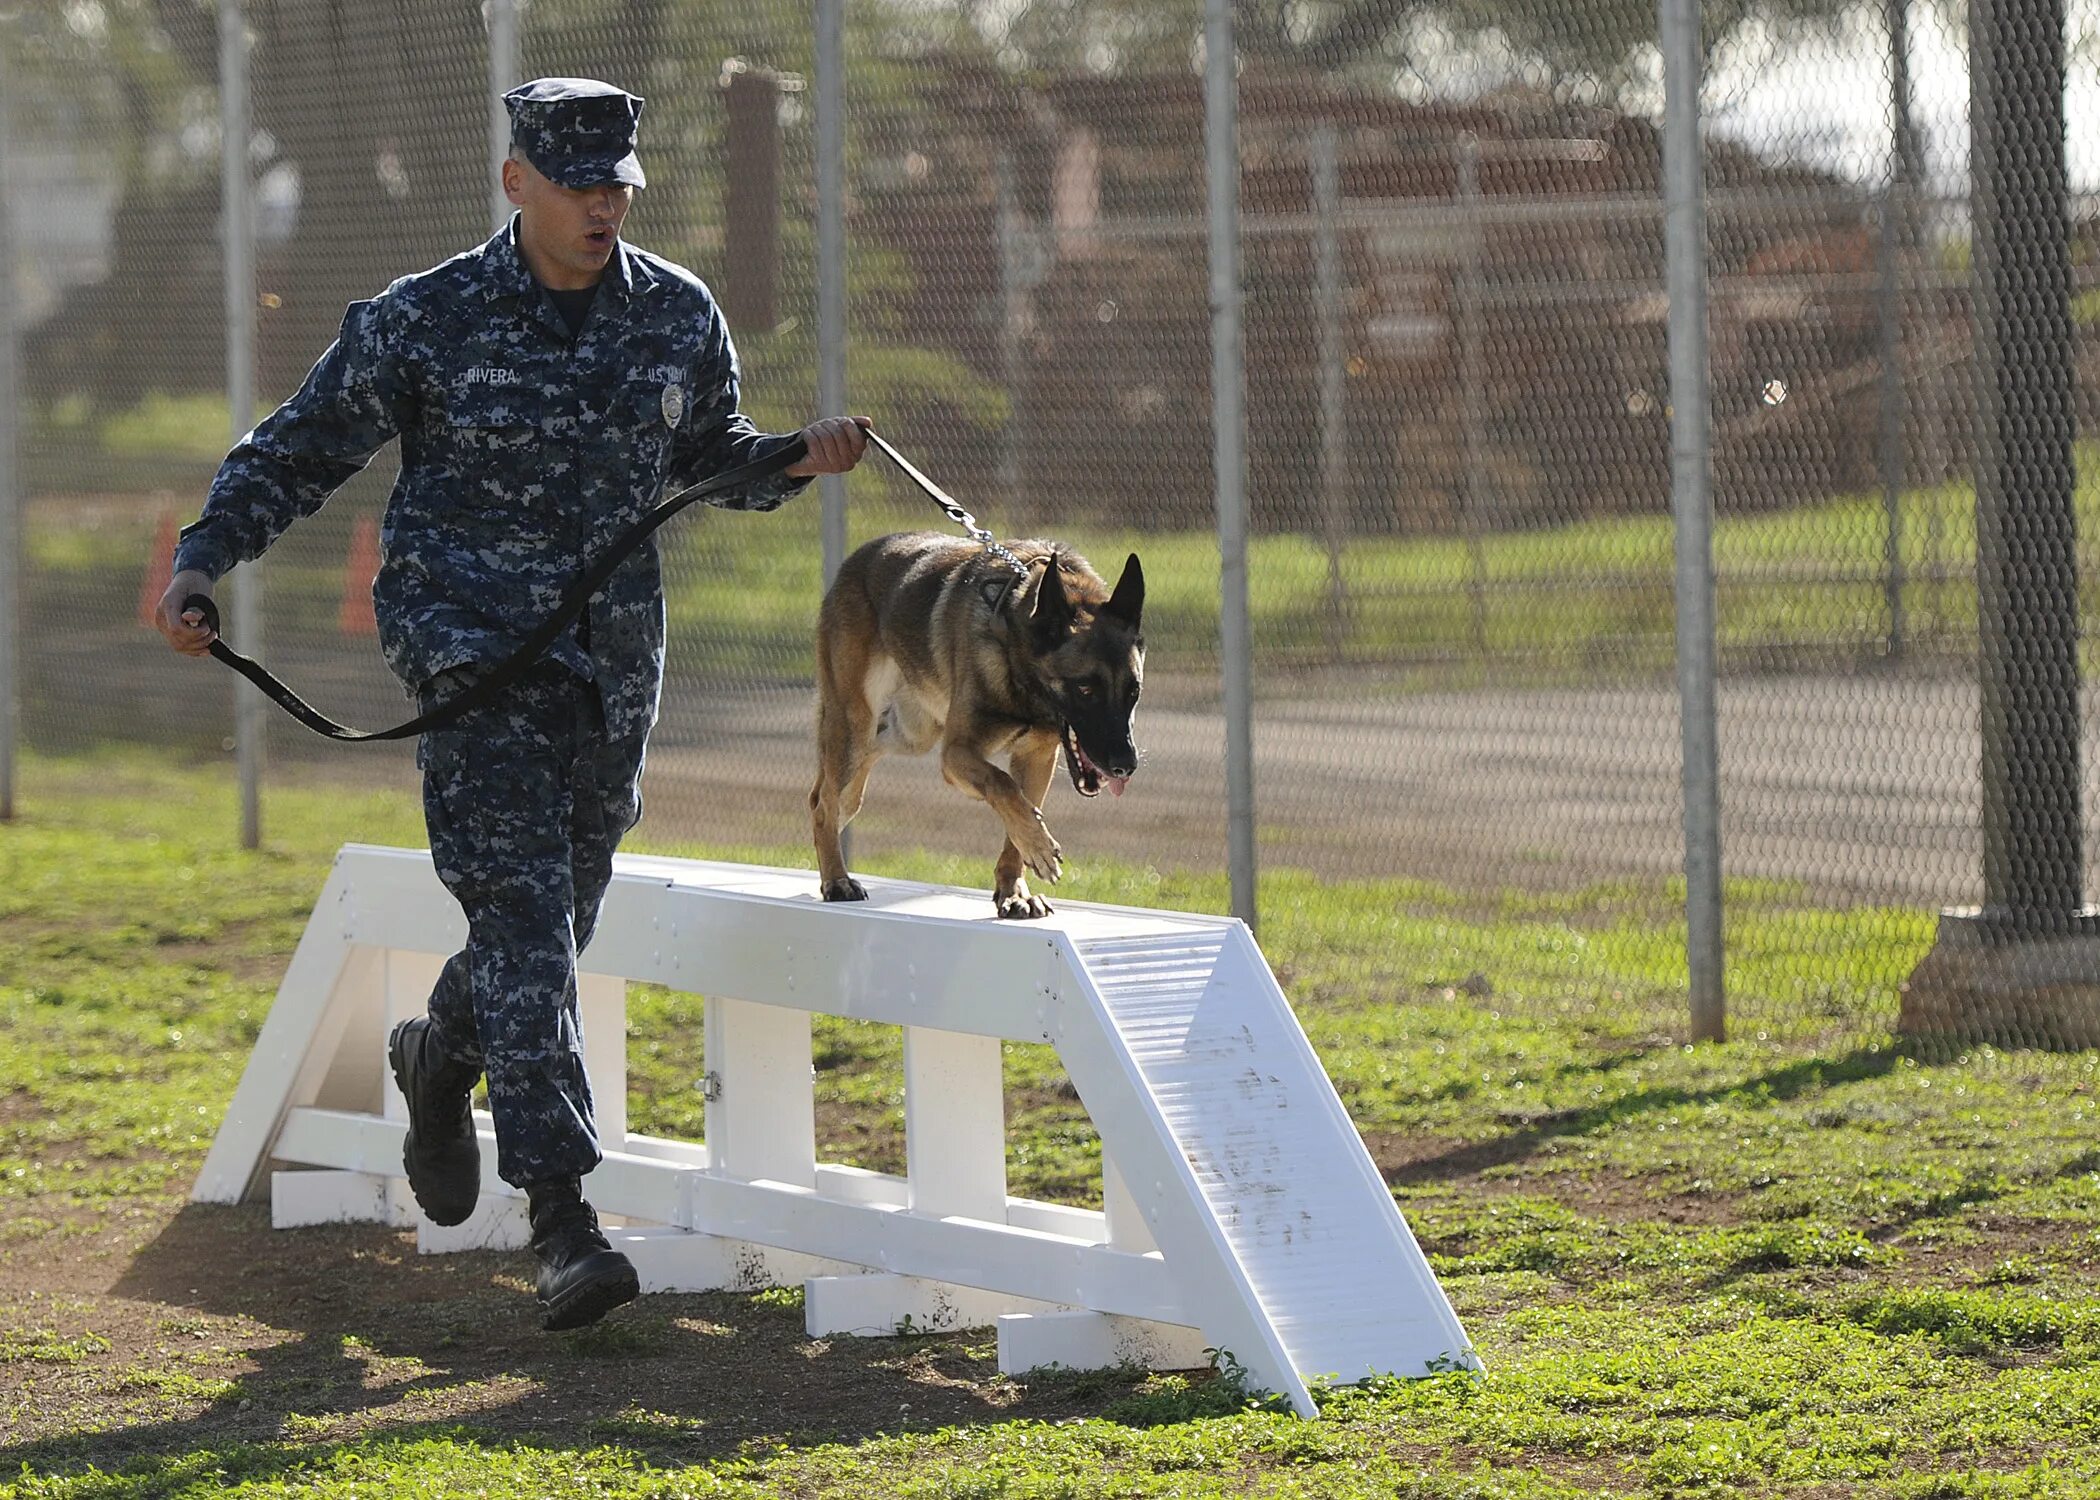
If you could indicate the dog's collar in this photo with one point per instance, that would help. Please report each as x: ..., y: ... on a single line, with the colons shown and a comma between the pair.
x: 997, y: 590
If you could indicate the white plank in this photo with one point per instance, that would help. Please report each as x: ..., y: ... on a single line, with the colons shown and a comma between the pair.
x: 954, y: 1123
x: 498, y: 1222
x: 735, y: 930
x: 1256, y: 1185
x: 685, y: 1153
x: 1089, y: 1225
x: 633, y: 1187
x: 876, y: 1305
x: 296, y: 1044
x: 301, y: 1199
x: 602, y: 999
x: 996, y: 1257
x: 1124, y: 1217
x: 1134, y: 1126
x: 859, y: 1185
x: 677, y: 1260
x: 345, y: 1062
x: 761, y: 1113
x: 1075, y: 1339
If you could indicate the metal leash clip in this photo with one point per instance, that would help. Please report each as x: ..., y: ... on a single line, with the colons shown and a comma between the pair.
x: 954, y: 511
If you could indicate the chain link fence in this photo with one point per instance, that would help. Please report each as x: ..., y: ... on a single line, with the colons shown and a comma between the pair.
x: 1462, y: 590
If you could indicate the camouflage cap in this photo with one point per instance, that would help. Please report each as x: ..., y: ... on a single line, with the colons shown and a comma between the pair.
x: 577, y: 131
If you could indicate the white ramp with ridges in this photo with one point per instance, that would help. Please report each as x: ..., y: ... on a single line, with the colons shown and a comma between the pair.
x: 1240, y: 1208
x: 1324, y: 1253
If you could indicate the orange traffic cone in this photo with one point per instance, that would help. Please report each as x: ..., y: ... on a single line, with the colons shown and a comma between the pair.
x: 160, y: 569
x: 355, y: 617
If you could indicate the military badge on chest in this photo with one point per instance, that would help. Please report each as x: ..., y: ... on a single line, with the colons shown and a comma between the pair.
x: 674, y: 404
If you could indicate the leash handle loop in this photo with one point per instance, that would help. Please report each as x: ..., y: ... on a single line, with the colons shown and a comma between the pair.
x: 202, y: 603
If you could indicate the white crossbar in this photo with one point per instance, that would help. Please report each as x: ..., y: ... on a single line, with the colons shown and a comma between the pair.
x: 1240, y: 1208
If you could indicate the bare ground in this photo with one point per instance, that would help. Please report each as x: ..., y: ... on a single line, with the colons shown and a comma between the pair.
x: 152, y: 1328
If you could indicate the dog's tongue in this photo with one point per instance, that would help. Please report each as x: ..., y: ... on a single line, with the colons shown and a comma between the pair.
x: 1101, y: 778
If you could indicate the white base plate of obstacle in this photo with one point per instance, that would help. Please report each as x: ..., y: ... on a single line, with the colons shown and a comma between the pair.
x: 1240, y: 1210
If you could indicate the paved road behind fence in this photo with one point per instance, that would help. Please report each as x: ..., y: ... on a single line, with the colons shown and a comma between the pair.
x: 1858, y: 789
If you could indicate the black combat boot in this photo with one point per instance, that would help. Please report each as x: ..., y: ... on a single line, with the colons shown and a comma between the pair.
x: 582, y: 1278
x: 441, y: 1156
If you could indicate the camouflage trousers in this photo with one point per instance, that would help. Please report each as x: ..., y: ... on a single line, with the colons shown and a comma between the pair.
x: 526, y: 800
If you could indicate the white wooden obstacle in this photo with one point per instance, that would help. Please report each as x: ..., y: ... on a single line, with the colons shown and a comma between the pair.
x: 1240, y: 1210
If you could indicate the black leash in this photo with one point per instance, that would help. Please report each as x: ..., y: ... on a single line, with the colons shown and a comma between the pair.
x: 529, y: 651
x: 573, y: 602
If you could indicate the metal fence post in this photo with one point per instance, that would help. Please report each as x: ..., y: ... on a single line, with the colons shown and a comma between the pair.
x: 1334, y: 415
x: 831, y: 257
x: 1012, y: 309
x: 2021, y: 969
x: 1472, y: 382
x: 503, y: 76
x: 831, y: 274
x: 237, y: 212
x: 1691, y: 503
x: 1894, y: 248
x: 1228, y: 396
x: 10, y: 473
x: 1888, y: 311
x: 2026, y: 472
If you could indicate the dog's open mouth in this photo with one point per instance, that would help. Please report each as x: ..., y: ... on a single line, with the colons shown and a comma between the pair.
x: 1088, y: 778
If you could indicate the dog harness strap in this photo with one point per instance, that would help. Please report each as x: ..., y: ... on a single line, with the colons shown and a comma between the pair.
x: 529, y: 650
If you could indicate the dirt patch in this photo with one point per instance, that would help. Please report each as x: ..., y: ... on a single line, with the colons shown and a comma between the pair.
x: 1520, y: 1169
x: 1996, y: 1248
x: 225, y: 954
x: 203, y: 1326
x: 222, y: 957
x: 18, y: 1106
x: 51, y: 1247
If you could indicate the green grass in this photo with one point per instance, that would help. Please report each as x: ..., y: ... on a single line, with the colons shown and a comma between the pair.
x: 192, y: 428
x: 1581, y: 601
x: 1576, y: 601
x: 1809, y: 1262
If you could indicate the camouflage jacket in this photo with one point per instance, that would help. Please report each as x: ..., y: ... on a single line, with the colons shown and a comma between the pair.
x: 523, y: 454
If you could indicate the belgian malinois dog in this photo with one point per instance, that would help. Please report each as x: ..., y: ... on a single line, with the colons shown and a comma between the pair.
x: 926, y: 639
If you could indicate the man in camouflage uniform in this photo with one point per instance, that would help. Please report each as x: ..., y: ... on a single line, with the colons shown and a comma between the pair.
x: 547, y: 388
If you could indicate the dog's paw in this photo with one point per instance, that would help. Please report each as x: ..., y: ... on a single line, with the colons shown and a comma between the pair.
x: 1020, y: 904
x: 845, y: 888
x: 1041, y: 853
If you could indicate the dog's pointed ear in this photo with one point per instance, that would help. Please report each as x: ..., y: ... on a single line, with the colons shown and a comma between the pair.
x: 1051, y: 617
x: 1127, y: 603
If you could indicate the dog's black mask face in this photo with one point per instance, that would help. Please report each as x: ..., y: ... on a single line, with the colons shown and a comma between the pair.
x: 1095, y: 671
